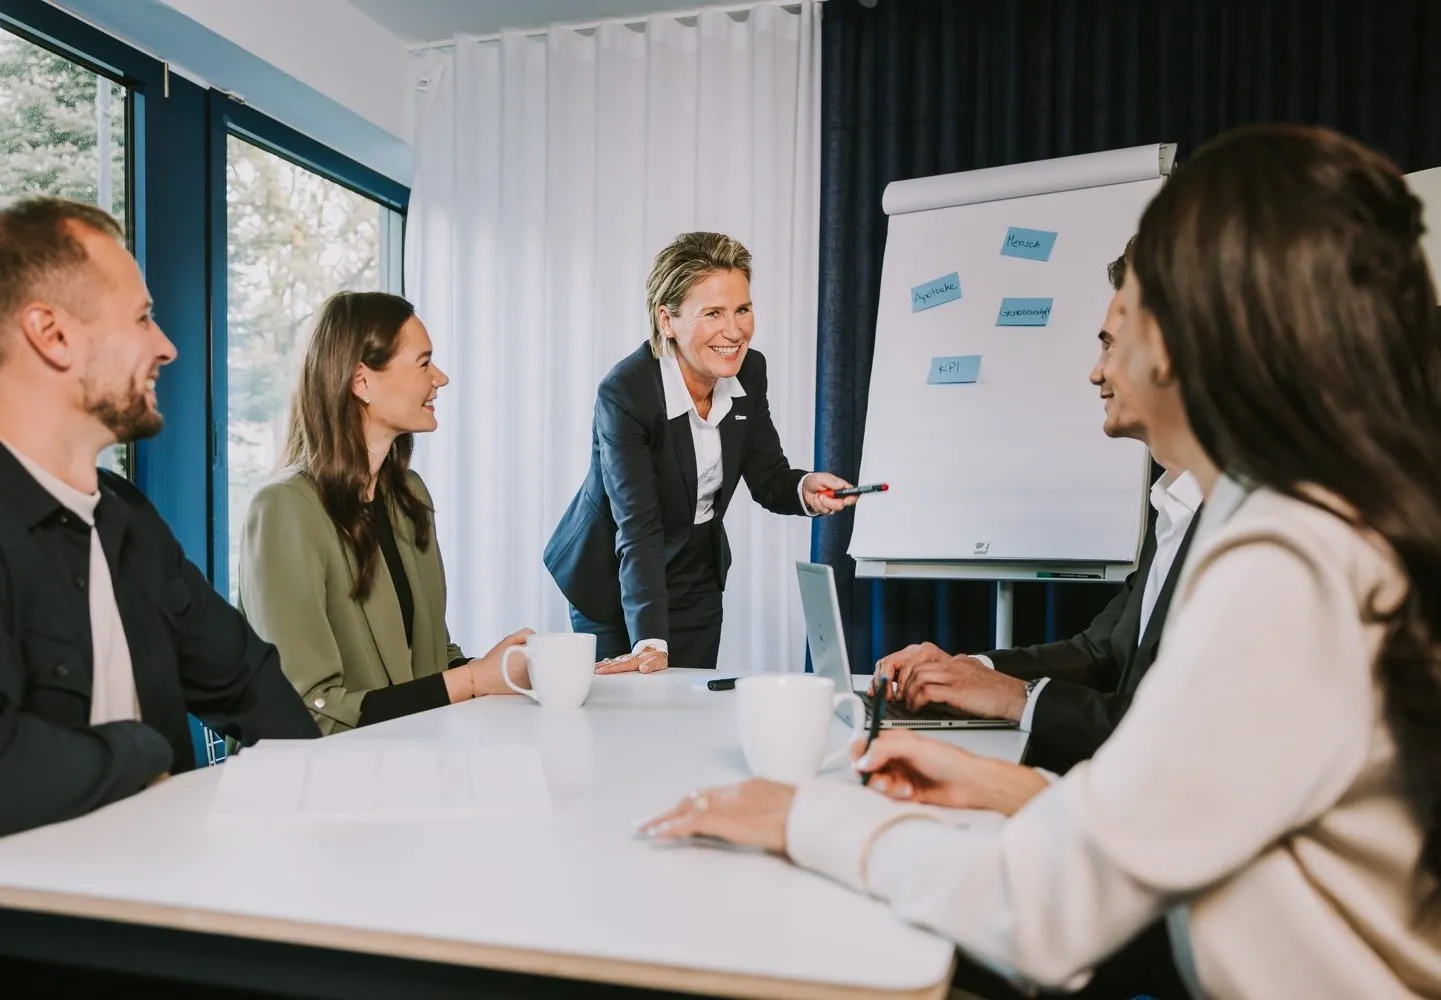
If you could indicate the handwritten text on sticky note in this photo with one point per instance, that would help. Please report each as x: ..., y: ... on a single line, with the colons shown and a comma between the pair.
x: 935, y: 293
x: 947, y: 371
x: 1030, y: 244
x: 1024, y: 312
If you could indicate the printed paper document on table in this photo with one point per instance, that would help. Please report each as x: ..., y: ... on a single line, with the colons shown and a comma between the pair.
x: 381, y: 779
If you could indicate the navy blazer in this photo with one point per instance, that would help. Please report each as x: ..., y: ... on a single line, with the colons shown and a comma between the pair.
x: 636, y: 508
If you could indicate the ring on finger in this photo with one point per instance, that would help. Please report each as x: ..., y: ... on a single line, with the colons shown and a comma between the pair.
x: 698, y: 801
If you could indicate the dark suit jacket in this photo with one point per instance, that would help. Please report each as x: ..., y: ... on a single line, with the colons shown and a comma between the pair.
x: 1094, y: 674
x: 636, y: 508
x: 190, y: 652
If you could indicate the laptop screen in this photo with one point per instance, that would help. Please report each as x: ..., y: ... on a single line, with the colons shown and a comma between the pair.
x: 824, y: 631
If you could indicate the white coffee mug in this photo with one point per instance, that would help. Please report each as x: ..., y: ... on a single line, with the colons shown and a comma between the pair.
x: 785, y: 722
x: 561, y: 666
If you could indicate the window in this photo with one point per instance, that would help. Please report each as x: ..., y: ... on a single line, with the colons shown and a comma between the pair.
x: 293, y: 238
x: 62, y: 132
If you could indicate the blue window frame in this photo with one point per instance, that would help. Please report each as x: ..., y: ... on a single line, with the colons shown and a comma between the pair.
x: 231, y: 120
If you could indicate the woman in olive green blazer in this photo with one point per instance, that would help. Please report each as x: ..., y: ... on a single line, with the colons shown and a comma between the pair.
x: 339, y: 567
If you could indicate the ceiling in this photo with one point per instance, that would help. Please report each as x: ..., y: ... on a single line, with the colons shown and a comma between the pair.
x: 435, y: 20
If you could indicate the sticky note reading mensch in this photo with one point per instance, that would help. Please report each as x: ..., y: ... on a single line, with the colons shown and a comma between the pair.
x: 1024, y: 312
x: 935, y: 293
x: 946, y: 371
x: 1030, y: 244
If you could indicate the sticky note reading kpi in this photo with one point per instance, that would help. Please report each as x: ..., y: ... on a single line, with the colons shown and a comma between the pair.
x: 945, y: 371
x: 934, y: 293
x: 1024, y: 312
x: 1030, y: 244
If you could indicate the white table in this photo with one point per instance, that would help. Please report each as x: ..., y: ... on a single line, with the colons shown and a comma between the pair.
x: 572, y: 895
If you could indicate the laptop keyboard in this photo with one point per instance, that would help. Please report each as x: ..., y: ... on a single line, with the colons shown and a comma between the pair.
x: 896, y: 710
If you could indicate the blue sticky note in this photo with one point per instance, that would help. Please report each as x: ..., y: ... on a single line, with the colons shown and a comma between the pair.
x: 935, y: 293
x: 1024, y: 312
x: 1030, y: 244
x: 947, y: 371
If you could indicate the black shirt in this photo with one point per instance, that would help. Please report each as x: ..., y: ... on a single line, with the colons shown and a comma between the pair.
x: 190, y: 652
x: 386, y: 531
x: 422, y: 693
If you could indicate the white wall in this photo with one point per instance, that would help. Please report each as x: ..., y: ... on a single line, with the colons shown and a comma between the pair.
x: 1426, y: 184
x: 326, y: 44
x: 319, y: 66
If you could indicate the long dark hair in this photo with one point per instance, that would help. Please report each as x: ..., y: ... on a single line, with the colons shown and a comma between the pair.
x: 326, y: 439
x: 1283, y: 265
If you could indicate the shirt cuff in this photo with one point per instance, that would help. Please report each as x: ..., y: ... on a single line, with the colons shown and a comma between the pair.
x: 801, y: 493
x: 1030, y: 711
x: 659, y: 645
x: 832, y: 826
x: 984, y: 661
x: 418, y: 695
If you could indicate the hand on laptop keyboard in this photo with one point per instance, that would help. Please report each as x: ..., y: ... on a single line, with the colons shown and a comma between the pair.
x: 924, y: 674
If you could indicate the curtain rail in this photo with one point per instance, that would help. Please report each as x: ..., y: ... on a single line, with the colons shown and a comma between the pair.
x: 591, y: 25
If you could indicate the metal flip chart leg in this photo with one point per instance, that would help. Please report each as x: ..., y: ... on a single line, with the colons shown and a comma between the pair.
x: 1005, y: 595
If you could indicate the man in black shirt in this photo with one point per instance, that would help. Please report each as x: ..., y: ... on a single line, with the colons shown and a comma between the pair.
x: 108, y: 634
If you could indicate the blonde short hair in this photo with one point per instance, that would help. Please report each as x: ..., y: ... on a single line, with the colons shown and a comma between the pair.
x: 690, y: 258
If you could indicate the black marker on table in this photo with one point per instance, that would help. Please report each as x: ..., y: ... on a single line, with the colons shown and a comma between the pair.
x: 855, y: 491
x: 721, y: 684
x: 878, y: 714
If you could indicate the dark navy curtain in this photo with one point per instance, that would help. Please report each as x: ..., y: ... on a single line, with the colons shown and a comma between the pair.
x: 912, y: 88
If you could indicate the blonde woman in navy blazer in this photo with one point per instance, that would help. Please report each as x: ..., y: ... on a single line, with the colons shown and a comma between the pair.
x: 641, y: 553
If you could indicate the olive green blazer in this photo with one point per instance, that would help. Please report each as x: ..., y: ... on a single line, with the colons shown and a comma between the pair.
x: 295, y: 581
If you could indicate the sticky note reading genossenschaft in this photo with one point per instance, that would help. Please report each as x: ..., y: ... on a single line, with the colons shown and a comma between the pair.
x: 950, y: 371
x: 1024, y: 312
x: 934, y: 293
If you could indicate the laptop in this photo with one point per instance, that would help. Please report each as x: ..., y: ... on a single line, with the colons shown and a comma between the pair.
x: 827, y: 638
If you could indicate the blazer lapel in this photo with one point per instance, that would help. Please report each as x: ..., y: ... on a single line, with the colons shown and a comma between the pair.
x: 1128, y: 629
x: 1152, y: 639
x: 425, y: 649
x: 733, y: 436
x: 685, y: 454
x: 387, y: 629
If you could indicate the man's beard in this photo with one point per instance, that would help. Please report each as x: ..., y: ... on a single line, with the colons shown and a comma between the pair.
x: 125, y: 414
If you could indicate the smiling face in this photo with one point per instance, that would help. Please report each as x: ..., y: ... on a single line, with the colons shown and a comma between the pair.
x: 118, y: 347
x: 712, y: 328
x: 1117, y: 395
x: 401, y: 395
x: 1140, y: 370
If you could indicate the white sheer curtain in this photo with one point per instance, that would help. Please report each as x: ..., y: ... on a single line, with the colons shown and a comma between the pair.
x: 549, y: 170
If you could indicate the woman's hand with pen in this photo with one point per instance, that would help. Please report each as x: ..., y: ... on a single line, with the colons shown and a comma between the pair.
x: 816, y: 489
x: 914, y: 768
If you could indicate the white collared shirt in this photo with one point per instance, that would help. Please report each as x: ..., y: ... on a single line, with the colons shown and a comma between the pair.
x: 112, y: 685
x: 1175, y: 497
x: 705, y: 435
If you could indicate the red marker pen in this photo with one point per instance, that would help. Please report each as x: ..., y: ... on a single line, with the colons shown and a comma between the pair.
x: 855, y: 491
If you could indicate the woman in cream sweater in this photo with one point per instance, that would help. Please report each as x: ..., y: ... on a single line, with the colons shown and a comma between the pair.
x: 1272, y: 794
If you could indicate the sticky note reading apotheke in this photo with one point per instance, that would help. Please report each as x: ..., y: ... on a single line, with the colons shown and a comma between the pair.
x: 935, y: 293
x: 1031, y: 244
x: 1024, y: 312
x: 947, y: 371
